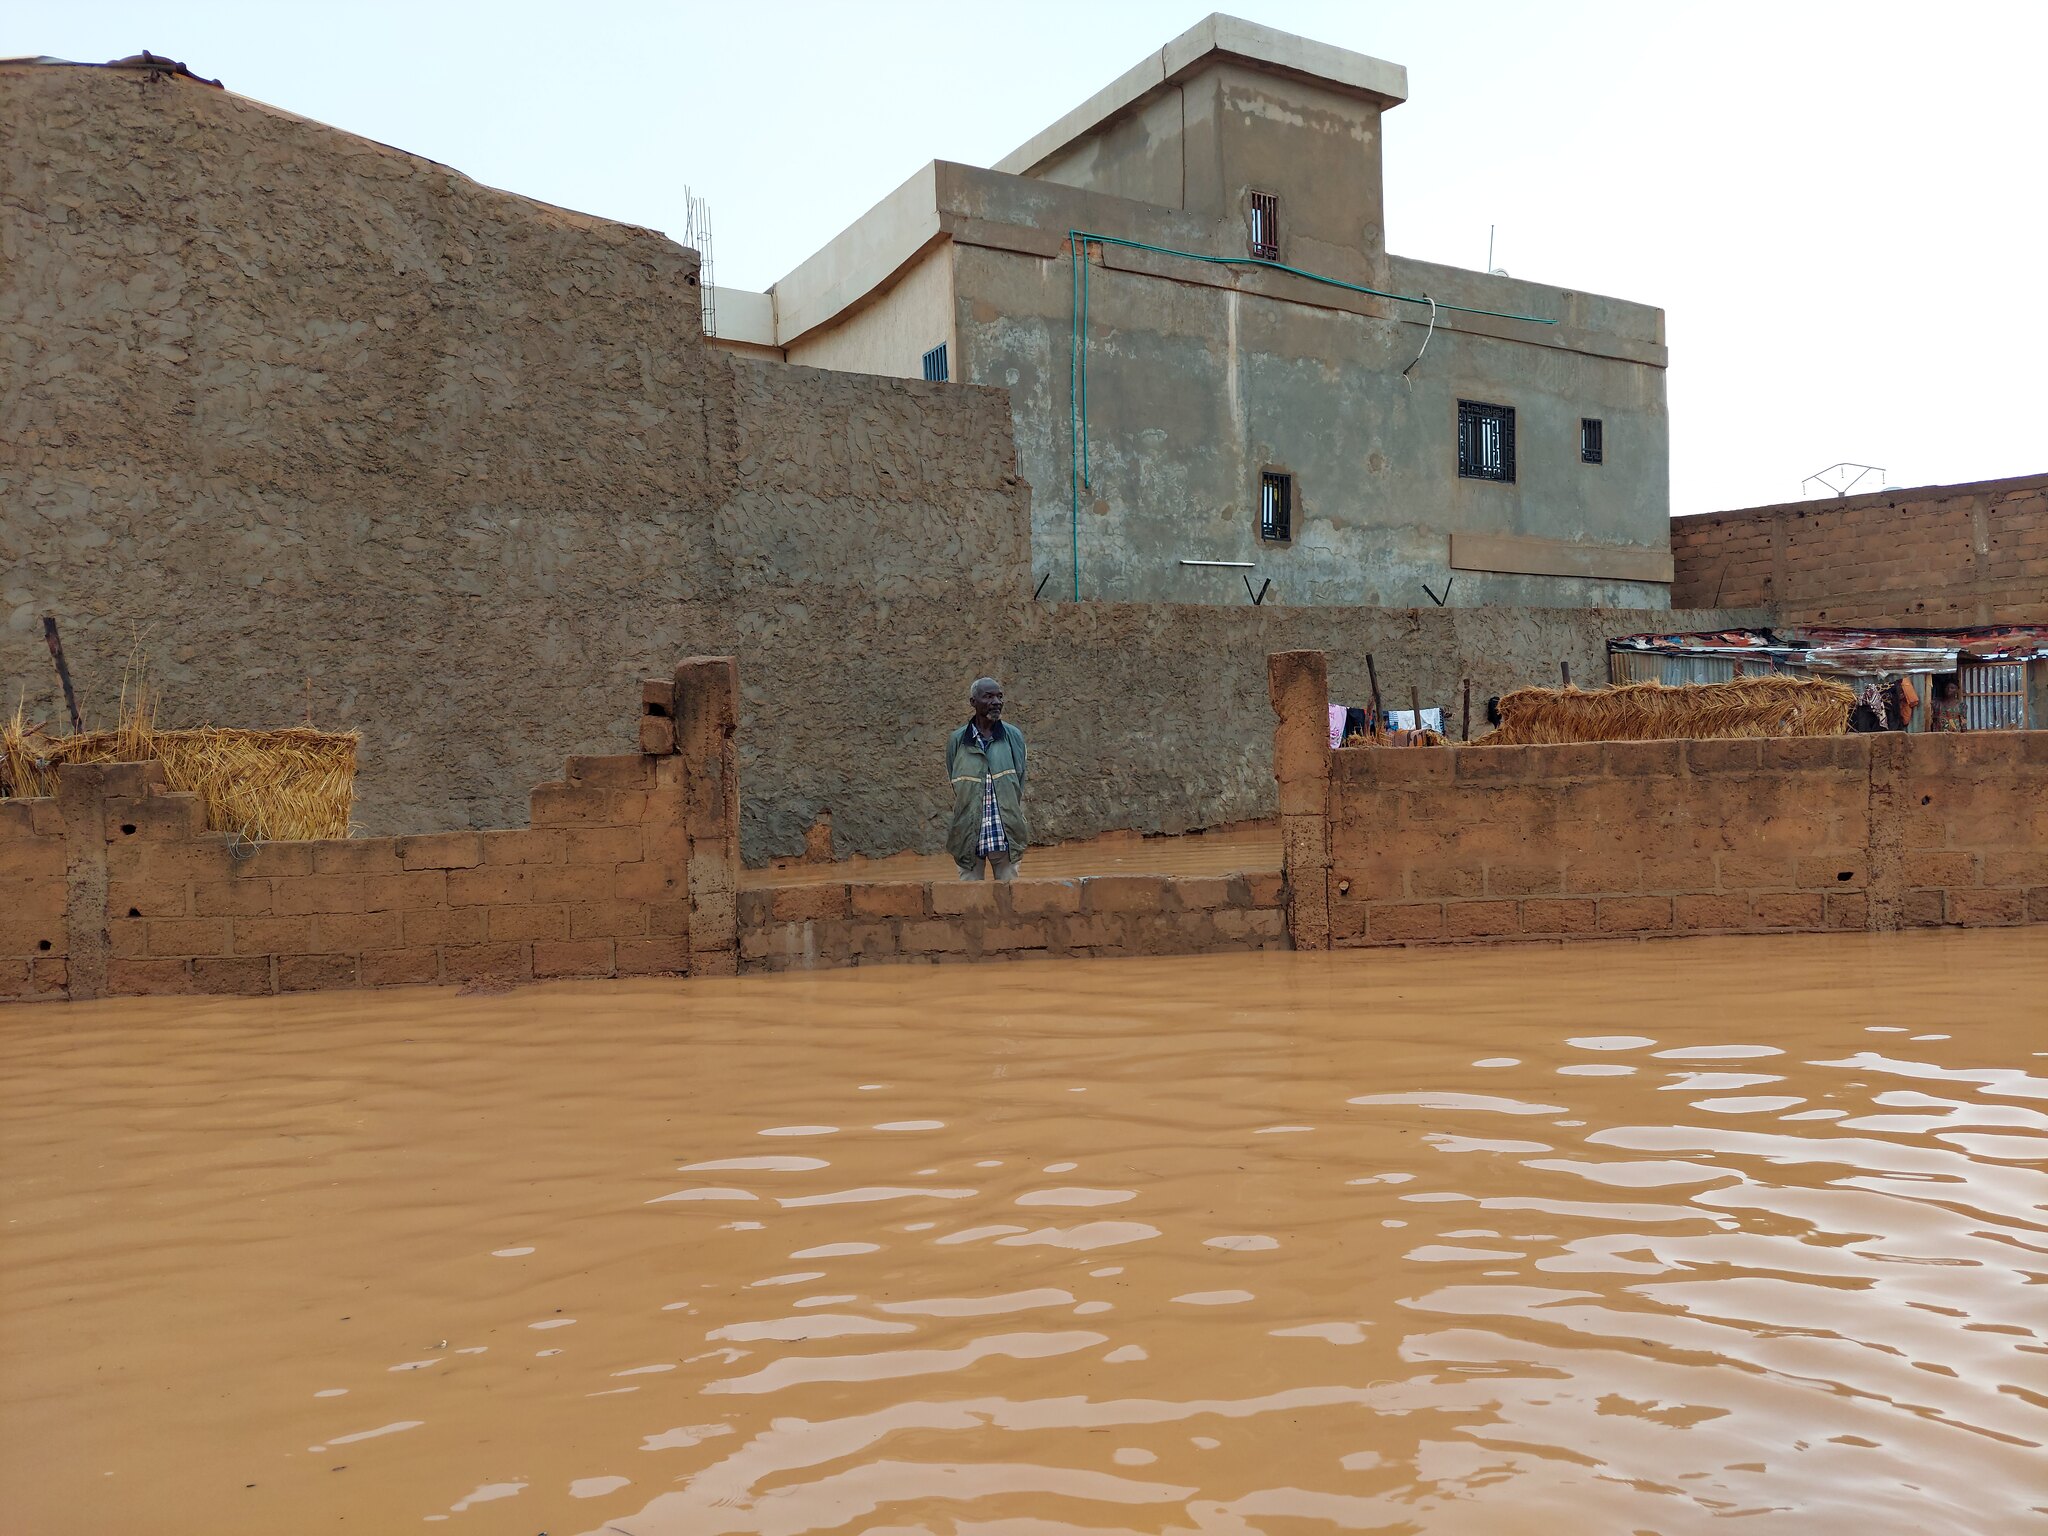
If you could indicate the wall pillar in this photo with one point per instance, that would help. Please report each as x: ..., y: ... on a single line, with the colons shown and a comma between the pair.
x: 1885, y: 847
x: 82, y: 800
x: 706, y: 717
x: 1298, y: 683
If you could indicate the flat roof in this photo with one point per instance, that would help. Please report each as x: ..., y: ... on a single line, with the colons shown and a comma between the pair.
x: 1216, y: 34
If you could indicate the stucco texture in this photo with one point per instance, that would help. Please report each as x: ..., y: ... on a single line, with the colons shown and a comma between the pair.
x: 316, y: 425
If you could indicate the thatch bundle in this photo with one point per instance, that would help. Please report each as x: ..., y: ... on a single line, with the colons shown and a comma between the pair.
x: 268, y: 786
x: 1748, y: 706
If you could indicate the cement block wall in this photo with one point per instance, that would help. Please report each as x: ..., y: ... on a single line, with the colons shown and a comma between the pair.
x: 1602, y: 840
x: 826, y: 926
x: 1929, y: 557
x: 628, y: 867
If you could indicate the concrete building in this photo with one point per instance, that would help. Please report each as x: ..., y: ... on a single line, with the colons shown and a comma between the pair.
x: 1185, y: 286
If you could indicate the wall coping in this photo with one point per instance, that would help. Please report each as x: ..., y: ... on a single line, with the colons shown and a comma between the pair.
x: 1865, y: 500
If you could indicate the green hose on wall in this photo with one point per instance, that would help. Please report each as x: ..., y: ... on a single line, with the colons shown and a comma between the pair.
x: 1078, y: 241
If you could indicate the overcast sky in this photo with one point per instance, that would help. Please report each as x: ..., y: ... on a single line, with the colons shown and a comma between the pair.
x: 1839, y: 206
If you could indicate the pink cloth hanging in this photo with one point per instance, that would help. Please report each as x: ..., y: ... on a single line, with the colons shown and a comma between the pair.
x: 1336, y: 726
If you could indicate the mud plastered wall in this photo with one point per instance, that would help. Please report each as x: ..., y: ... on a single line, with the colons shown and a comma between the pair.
x: 1938, y: 555
x: 316, y: 424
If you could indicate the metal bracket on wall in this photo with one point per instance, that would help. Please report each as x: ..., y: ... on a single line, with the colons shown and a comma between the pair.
x: 1440, y: 601
x: 1259, y: 596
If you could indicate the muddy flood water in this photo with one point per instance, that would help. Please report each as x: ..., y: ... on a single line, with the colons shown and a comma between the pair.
x: 1610, y: 1238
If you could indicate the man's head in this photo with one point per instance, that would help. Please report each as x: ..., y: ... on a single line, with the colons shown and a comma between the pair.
x: 987, y: 698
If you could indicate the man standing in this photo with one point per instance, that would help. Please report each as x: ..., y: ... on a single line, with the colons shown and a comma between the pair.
x: 985, y: 761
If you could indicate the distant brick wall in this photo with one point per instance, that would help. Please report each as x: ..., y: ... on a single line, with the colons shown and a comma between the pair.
x: 815, y: 927
x: 1616, y: 839
x: 1934, y: 556
x: 628, y: 868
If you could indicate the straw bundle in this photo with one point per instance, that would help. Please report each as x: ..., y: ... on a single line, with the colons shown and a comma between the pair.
x: 268, y: 786
x: 1748, y: 706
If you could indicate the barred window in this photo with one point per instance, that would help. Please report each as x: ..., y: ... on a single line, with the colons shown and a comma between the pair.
x: 1486, y: 441
x: 1276, y: 506
x: 1263, y: 216
x: 935, y: 364
x: 1590, y: 451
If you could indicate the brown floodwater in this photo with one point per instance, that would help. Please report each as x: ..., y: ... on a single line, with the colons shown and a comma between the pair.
x: 1628, y: 1238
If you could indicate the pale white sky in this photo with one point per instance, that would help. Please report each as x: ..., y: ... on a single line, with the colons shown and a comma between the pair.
x: 1839, y: 206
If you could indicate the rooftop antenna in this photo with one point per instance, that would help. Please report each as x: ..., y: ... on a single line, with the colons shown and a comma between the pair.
x: 1837, y: 479
x: 697, y: 236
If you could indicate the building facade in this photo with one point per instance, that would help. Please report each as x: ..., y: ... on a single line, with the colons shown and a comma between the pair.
x: 1224, y: 387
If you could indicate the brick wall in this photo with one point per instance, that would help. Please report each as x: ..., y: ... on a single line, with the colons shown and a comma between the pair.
x: 1612, y: 839
x: 628, y: 867
x: 35, y: 943
x: 816, y: 927
x: 1935, y: 556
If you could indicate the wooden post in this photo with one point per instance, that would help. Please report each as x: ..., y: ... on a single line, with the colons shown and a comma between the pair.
x: 1372, y: 674
x: 1466, y: 733
x: 1415, y: 704
x: 1565, y: 670
x: 63, y: 672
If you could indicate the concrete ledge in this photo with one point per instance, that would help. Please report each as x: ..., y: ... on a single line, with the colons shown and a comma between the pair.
x: 1526, y: 555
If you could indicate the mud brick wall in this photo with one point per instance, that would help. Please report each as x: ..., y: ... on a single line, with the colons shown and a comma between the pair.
x: 1616, y: 839
x: 627, y: 868
x: 35, y: 942
x: 1966, y: 819
x: 818, y: 927
x: 1939, y: 555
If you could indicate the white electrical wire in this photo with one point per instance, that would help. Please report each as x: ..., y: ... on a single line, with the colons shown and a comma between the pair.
x: 1425, y: 341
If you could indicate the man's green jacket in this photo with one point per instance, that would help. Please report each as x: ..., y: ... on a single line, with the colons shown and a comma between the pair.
x: 966, y: 764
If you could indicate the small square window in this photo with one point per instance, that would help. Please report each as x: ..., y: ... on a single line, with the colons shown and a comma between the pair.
x: 1589, y: 440
x: 935, y: 364
x: 1263, y: 217
x: 1486, y: 441
x: 1276, y: 506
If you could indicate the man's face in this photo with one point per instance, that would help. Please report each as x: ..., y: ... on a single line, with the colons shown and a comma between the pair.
x: 988, y: 702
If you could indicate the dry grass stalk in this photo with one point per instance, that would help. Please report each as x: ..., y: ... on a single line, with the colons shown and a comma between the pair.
x: 268, y: 786
x: 1747, y: 706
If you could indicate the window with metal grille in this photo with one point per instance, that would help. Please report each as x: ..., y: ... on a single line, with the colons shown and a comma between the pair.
x: 1486, y: 441
x: 1589, y: 440
x: 1276, y: 506
x: 935, y: 364
x: 1994, y: 695
x: 1264, y: 217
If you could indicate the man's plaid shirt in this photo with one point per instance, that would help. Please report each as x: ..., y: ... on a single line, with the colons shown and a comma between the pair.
x: 993, y: 841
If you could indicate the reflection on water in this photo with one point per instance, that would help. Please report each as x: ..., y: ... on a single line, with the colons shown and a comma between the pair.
x: 1330, y: 1243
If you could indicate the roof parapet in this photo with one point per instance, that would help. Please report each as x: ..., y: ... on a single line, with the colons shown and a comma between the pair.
x: 1225, y: 36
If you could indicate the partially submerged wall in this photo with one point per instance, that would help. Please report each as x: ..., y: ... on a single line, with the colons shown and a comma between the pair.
x: 1608, y: 839
x: 1932, y: 557
x: 824, y: 926
x: 628, y: 868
